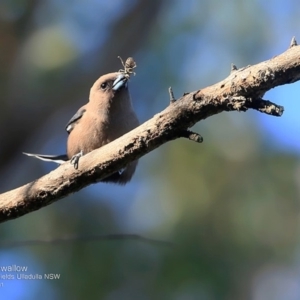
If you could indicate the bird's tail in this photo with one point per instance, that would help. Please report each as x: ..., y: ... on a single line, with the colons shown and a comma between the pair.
x: 59, y: 159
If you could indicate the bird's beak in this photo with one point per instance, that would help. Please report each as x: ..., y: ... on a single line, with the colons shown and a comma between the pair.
x: 121, y: 81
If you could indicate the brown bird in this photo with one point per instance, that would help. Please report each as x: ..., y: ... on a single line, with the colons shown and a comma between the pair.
x: 107, y: 116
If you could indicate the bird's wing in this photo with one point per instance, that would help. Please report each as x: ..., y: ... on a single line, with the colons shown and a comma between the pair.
x: 75, y: 118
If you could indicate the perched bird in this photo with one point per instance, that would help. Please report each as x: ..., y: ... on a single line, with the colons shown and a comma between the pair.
x: 107, y: 116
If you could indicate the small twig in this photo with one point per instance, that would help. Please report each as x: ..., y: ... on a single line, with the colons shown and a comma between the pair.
x: 293, y: 42
x: 90, y: 238
x: 172, y: 98
x: 233, y: 68
x: 193, y: 136
x: 267, y: 107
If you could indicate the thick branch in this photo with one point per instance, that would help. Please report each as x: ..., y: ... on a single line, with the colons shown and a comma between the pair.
x: 241, y: 90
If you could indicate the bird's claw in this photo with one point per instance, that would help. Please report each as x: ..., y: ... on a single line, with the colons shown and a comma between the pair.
x: 75, y: 159
x: 121, y: 171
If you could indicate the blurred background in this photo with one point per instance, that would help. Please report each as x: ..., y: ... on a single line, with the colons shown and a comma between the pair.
x: 229, y: 205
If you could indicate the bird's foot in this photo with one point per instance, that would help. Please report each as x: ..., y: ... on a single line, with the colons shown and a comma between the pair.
x: 75, y: 159
x: 120, y: 172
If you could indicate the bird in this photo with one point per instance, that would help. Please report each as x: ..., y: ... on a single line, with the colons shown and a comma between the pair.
x: 108, y: 115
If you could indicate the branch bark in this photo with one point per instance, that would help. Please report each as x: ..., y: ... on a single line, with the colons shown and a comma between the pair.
x: 243, y: 89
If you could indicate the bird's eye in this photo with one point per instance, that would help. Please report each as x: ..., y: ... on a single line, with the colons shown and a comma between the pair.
x: 103, y: 85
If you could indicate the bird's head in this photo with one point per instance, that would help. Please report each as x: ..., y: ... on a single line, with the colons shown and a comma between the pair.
x: 110, y: 84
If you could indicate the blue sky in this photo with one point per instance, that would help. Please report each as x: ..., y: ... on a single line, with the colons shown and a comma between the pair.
x: 82, y: 24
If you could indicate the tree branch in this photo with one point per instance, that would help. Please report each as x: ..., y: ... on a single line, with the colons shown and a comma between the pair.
x: 241, y: 90
x: 85, y: 238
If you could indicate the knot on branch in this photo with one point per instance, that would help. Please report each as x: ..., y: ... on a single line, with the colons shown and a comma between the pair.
x: 266, y: 75
x: 240, y: 103
x: 237, y: 103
